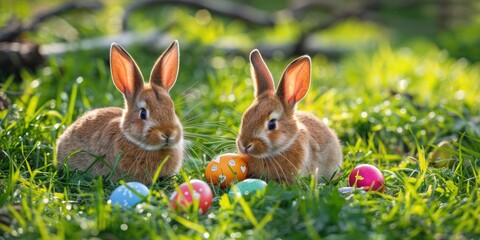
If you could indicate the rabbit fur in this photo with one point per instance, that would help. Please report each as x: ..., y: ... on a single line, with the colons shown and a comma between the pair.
x: 134, y: 141
x: 281, y: 141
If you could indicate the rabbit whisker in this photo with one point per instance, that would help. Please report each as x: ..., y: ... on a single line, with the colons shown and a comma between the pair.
x: 203, y: 149
x: 183, y: 95
x: 271, y: 165
x: 283, y: 171
x: 193, y: 108
x: 290, y: 162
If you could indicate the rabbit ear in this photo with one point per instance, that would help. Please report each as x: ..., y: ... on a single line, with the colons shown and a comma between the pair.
x: 262, y: 77
x: 125, y: 73
x: 295, y: 81
x: 165, y: 70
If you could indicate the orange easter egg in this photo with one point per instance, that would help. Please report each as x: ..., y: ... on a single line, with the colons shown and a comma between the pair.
x: 227, y: 169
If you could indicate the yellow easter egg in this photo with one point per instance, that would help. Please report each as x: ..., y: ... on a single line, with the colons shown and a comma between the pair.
x: 442, y: 156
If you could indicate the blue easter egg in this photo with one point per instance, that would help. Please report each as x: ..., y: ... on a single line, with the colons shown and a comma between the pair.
x: 247, y: 187
x: 126, y: 198
x: 348, y: 190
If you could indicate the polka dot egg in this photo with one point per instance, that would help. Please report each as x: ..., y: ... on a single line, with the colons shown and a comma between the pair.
x: 186, y: 194
x: 129, y: 195
x: 226, y: 169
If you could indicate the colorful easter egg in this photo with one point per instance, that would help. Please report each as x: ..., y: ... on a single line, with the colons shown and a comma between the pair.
x: 348, y: 190
x: 247, y: 187
x: 129, y: 195
x: 442, y: 156
x: 227, y: 169
x: 186, y: 194
x: 367, y: 177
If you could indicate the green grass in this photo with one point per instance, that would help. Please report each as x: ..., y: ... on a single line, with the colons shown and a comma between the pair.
x: 391, y: 104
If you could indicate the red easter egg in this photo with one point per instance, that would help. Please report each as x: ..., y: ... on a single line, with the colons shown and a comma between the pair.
x: 227, y: 169
x: 367, y: 177
x: 184, y: 197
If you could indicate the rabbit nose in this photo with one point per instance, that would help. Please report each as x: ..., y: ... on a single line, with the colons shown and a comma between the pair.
x: 240, y: 145
x: 168, y: 137
x: 243, y: 149
x: 248, y: 148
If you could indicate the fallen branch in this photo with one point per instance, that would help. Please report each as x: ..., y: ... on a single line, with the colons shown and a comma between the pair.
x: 16, y: 53
x: 15, y: 56
x: 345, y: 13
x: 158, y: 40
x: 225, y: 8
x: 15, y: 27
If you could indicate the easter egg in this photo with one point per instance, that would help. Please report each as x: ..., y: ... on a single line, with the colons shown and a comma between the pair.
x: 348, y: 190
x: 442, y: 156
x: 247, y: 187
x: 227, y: 169
x: 129, y: 195
x: 367, y: 177
x: 186, y: 194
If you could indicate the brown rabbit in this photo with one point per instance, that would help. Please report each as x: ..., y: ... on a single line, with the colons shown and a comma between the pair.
x: 281, y: 141
x: 142, y: 136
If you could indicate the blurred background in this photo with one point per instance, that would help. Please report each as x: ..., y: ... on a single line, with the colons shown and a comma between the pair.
x: 31, y: 31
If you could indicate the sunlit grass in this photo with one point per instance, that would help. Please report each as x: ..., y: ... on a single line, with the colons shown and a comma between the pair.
x: 390, y: 105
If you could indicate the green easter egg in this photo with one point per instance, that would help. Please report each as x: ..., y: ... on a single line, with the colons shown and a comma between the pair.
x: 442, y: 155
x: 247, y: 187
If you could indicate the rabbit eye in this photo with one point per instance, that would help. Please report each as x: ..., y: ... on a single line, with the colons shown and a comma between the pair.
x: 272, y: 124
x: 143, y: 113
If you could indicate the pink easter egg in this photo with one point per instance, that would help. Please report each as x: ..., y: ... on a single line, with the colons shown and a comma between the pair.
x: 367, y: 177
x: 185, y: 196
